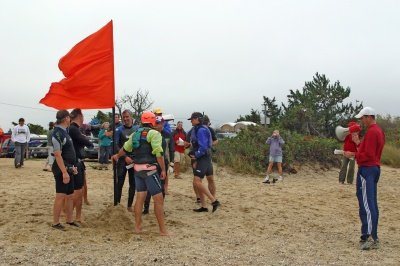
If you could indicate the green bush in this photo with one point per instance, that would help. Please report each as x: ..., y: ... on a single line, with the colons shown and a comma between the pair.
x: 249, y: 153
x: 390, y: 155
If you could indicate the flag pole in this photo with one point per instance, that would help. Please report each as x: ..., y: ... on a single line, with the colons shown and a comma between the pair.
x: 115, y: 179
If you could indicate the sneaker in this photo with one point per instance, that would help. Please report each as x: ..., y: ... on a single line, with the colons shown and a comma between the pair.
x: 58, y: 226
x: 266, y: 182
x: 274, y: 180
x: 215, y: 205
x: 266, y: 179
x: 74, y: 224
x: 280, y: 178
x: 369, y: 244
x: 201, y: 209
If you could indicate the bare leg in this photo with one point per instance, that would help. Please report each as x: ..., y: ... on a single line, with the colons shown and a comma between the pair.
x: 159, y: 212
x: 196, y: 191
x: 176, y: 169
x: 202, y: 189
x: 69, y: 207
x: 279, y: 168
x: 211, y: 185
x: 58, y: 206
x: 84, y: 193
x: 78, y: 204
x: 269, y: 170
x: 140, y: 197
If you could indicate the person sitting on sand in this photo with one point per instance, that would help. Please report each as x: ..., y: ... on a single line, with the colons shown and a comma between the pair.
x: 147, y: 154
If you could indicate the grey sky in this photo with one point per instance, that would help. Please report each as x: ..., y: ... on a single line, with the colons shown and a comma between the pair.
x: 215, y: 56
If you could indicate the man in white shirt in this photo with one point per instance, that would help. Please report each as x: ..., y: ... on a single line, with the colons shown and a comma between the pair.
x: 20, y: 136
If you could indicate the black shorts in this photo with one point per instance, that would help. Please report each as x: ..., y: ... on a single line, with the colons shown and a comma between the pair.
x: 67, y: 189
x: 204, y: 167
x: 79, y: 178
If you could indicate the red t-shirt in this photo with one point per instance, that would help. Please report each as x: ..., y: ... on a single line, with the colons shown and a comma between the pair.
x: 176, y: 135
x: 370, y: 149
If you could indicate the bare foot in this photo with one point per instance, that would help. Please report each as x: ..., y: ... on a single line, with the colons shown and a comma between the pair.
x: 166, y: 233
x: 138, y: 229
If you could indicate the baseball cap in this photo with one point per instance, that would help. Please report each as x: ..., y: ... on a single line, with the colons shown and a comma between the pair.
x: 62, y: 114
x: 366, y: 111
x: 195, y: 115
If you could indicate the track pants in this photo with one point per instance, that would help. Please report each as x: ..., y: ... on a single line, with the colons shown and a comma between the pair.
x: 367, y: 181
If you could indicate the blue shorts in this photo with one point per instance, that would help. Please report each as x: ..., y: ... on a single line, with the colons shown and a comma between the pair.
x: 148, y: 181
x: 275, y: 159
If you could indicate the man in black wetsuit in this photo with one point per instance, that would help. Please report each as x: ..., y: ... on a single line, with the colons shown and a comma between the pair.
x: 122, y: 134
x: 80, y: 141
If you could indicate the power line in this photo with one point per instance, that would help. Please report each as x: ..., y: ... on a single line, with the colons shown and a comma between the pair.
x: 28, y: 107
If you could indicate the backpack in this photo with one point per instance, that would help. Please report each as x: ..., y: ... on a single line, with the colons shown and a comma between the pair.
x: 139, y: 135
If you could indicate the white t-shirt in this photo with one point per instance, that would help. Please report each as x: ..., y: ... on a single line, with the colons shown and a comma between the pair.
x: 21, y: 134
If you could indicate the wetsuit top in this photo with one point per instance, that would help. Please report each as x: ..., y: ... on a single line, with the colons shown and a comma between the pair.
x: 63, y: 142
x: 122, y: 134
x: 201, y: 141
x: 79, y: 140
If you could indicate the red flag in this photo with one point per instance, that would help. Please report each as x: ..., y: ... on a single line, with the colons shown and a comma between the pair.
x: 89, y: 74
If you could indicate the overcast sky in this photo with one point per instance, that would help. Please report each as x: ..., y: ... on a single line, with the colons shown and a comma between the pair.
x: 220, y: 57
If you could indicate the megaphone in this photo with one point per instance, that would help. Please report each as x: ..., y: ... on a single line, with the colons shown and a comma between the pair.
x: 342, y: 132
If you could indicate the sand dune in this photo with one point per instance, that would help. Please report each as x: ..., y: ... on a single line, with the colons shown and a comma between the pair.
x: 308, y: 219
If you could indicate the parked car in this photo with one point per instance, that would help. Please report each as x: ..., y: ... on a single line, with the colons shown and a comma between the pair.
x: 7, y: 149
x: 40, y: 151
x: 92, y: 153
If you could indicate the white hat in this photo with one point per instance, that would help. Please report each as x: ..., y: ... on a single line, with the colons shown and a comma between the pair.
x: 366, y: 111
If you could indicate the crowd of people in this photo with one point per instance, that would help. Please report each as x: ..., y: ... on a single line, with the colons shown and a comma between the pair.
x: 146, y: 151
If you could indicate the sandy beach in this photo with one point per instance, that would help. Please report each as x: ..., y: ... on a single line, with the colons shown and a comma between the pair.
x: 308, y: 219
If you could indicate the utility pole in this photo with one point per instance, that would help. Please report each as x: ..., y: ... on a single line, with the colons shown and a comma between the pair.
x: 265, y: 113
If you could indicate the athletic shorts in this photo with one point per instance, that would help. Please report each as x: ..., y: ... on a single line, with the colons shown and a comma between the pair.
x: 67, y: 189
x: 204, y: 167
x: 150, y: 183
x: 179, y: 157
x: 275, y: 159
x: 79, y: 178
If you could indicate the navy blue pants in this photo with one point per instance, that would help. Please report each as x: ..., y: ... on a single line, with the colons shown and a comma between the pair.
x: 367, y: 181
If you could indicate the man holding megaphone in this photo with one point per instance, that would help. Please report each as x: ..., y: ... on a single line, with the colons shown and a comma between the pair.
x: 368, y: 156
x: 347, y: 169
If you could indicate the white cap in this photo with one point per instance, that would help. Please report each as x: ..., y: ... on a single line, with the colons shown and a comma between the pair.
x: 366, y: 111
